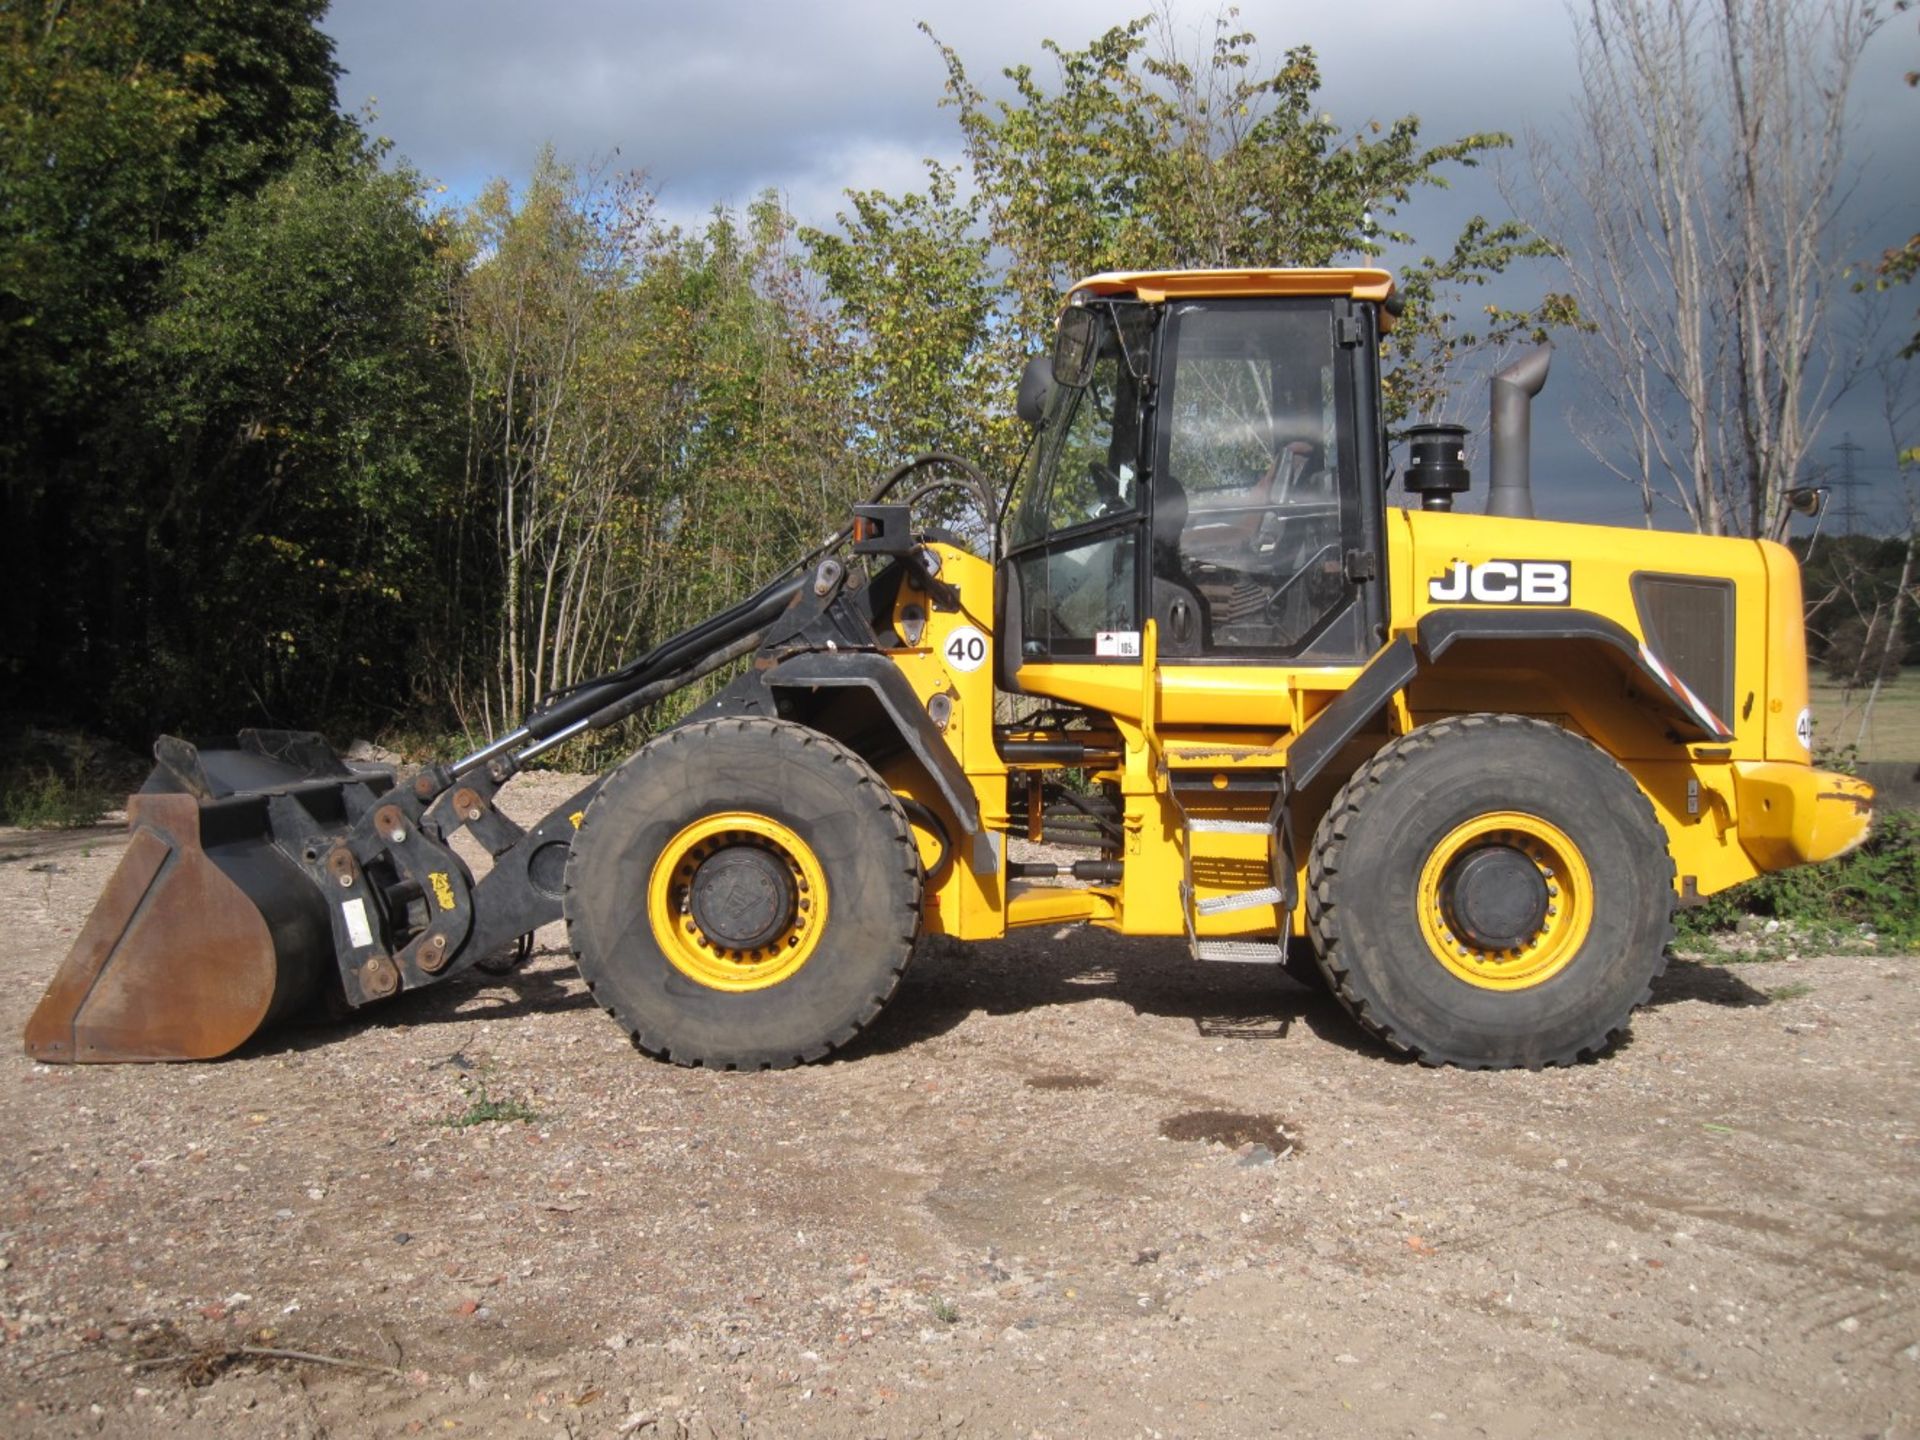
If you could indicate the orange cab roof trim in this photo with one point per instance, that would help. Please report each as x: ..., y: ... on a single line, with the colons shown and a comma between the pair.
x: 1154, y: 286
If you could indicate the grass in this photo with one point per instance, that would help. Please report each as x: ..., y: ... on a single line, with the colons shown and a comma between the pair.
x: 1795, y: 991
x: 484, y: 1109
x: 45, y: 799
x: 60, y: 779
x: 1890, y: 733
x: 944, y: 1310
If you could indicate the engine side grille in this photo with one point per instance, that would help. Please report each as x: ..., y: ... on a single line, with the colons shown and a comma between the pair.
x: 1689, y: 622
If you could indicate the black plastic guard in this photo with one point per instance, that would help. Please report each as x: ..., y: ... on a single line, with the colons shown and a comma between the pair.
x: 817, y: 670
x: 1351, y: 710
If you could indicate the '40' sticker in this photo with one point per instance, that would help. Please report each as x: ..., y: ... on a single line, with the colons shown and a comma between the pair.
x: 966, y: 649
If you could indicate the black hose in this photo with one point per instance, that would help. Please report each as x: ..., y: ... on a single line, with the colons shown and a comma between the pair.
x: 690, y: 647
x: 927, y: 820
x: 660, y: 689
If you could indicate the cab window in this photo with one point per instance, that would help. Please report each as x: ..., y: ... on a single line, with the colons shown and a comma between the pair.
x: 1247, y: 533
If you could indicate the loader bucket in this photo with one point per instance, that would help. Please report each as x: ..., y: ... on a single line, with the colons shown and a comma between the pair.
x: 207, y: 931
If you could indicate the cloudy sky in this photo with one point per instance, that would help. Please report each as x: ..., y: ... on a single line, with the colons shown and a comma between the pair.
x: 717, y: 100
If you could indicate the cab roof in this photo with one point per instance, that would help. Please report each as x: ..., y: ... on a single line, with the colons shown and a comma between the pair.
x: 1155, y: 286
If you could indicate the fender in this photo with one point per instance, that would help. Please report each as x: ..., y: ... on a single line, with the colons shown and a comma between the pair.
x: 782, y: 683
x: 1397, y: 664
x: 1440, y: 630
x: 1349, y: 712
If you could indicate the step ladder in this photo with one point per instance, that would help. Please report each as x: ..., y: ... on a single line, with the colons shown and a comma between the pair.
x: 1277, y: 894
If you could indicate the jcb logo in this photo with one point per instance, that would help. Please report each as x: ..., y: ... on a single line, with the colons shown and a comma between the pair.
x: 1504, y: 582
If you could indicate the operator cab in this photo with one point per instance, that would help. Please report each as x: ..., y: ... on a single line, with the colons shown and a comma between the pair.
x: 1210, y: 461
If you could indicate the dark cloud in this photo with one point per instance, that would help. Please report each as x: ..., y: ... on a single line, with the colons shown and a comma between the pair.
x: 719, y: 100
x: 715, y: 100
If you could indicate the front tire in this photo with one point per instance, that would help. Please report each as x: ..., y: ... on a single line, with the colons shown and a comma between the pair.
x: 743, y: 894
x: 1491, y: 891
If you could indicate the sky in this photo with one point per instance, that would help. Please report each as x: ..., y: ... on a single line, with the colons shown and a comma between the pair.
x: 718, y: 100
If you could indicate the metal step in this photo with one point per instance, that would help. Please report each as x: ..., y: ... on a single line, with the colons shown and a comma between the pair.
x: 1245, y: 900
x: 1242, y: 952
x: 1229, y: 827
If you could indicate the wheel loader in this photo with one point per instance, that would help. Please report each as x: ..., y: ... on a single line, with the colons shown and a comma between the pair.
x: 1466, y: 765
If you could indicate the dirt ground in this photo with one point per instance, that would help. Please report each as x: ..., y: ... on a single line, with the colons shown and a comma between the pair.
x: 1068, y: 1186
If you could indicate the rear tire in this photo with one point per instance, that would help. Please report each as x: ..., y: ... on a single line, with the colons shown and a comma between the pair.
x: 743, y: 894
x: 1534, y: 953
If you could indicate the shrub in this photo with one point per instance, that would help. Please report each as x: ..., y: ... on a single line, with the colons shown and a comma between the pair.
x: 1877, y: 886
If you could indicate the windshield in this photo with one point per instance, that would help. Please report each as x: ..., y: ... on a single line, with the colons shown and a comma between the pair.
x: 1084, y: 465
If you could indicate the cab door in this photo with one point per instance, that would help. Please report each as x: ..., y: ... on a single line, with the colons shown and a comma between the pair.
x: 1072, y: 584
x: 1265, y: 481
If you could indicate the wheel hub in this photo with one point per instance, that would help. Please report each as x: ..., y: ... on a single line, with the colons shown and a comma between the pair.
x: 1506, y: 900
x: 1495, y: 898
x: 742, y: 897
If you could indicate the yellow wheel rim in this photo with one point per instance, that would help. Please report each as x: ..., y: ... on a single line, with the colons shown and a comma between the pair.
x: 710, y: 960
x: 1569, y: 909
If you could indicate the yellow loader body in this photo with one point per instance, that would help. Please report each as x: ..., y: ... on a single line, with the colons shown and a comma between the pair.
x: 1459, y: 769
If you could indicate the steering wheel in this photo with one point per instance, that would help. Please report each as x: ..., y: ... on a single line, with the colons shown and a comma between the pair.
x: 1108, y: 485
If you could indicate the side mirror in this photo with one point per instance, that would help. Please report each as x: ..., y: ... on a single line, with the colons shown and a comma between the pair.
x: 1036, y: 387
x: 1806, y: 499
x: 1073, y: 347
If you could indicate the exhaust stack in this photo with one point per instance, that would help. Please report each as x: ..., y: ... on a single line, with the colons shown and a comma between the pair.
x: 1510, y: 492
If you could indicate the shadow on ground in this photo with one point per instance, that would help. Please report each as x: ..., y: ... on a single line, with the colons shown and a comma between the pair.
x: 1711, y: 984
x: 948, y: 981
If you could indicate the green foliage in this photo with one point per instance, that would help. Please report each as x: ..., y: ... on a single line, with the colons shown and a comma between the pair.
x: 484, y: 1109
x: 59, y: 780
x: 1900, y: 263
x: 1138, y: 157
x: 289, y: 430
x: 657, y: 420
x: 1850, y: 582
x: 1876, y: 887
x: 278, y: 446
x: 916, y: 296
x: 127, y: 128
x: 47, y: 799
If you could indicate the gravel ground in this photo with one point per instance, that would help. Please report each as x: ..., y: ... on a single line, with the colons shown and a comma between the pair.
x: 1068, y: 1186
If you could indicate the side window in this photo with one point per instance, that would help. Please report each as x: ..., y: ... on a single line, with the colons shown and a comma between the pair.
x: 1072, y: 596
x: 1087, y: 470
x: 1247, y: 536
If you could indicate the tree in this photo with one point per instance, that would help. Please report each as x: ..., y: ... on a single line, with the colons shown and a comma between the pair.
x: 288, y: 422
x: 1693, y: 206
x: 653, y: 424
x: 126, y: 128
x: 1143, y: 156
x: 1901, y: 263
x: 916, y: 295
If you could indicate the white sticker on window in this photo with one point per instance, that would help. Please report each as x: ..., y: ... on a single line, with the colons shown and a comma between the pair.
x: 966, y: 649
x: 354, y: 912
x: 1117, y: 644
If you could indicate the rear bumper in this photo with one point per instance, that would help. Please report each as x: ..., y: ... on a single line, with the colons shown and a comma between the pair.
x: 1797, y: 815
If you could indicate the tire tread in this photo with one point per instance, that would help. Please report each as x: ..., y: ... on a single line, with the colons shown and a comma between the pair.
x: 1323, y: 911
x: 872, y: 791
